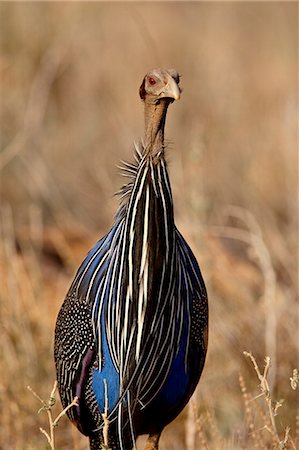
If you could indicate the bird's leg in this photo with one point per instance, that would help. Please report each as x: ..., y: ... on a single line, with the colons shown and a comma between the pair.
x: 152, y: 442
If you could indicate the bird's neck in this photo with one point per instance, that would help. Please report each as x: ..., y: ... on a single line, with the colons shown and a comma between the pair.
x: 155, y: 115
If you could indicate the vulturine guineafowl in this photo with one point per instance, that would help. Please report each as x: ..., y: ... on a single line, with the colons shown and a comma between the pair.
x: 136, y: 314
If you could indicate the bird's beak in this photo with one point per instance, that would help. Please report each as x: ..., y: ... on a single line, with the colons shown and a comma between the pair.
x: 171, y: 90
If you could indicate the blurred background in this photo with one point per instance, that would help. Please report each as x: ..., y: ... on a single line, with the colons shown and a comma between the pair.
x: 70, y: 111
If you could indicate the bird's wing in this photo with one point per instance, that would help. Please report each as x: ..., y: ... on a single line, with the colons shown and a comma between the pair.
x: 199, y: 298
x: 75, y: 333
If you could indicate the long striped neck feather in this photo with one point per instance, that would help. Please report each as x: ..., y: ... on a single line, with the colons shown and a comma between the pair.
x: 155, y: 116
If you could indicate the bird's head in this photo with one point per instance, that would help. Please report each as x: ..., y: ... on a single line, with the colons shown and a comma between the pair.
x: 160, y: 84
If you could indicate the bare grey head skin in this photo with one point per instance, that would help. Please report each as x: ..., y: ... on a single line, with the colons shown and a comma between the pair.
x: 159, y: 88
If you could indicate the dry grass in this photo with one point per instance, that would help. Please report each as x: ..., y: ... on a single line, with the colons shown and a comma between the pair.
x: 70, y: 111
x: 47, y: 406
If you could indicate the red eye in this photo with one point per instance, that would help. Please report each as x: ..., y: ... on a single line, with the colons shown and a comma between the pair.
x: 151, y: 81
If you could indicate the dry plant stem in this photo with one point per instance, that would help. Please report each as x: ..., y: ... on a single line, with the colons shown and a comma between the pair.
x: 105, y: 418
x: 272, y: 411
x: 264, y: 387
x: 190, y: 426
x: 197, y: 428
x: 45, y: 407
x: 294, y: 379
x: 48, y: 408
x: 74, y: 403
x: 248, y: 410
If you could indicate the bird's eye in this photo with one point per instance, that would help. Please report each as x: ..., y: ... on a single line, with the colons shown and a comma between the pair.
x: 151, y: 81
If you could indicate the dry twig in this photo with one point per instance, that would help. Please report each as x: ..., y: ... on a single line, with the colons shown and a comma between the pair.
x: 294, y: 379
x: 271, y: 407
x: 105, y: 445
x: 47, y: 406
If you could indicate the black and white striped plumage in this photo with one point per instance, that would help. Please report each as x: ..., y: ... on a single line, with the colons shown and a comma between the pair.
x: 136, y: 313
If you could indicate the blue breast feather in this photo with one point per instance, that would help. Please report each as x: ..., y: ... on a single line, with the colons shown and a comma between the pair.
x: 94, y: 267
